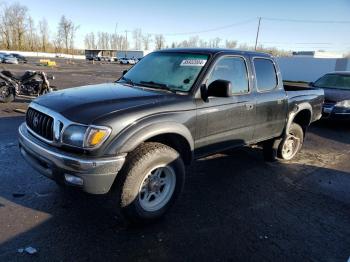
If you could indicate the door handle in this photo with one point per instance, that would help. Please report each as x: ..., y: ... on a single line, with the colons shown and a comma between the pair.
x: 249, y: 106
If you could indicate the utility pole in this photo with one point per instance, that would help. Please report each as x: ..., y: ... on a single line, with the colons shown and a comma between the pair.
x: 257, y: 34
x: 126, y: 41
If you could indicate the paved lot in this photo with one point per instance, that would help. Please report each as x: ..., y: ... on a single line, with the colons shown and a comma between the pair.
x: 235, y: 206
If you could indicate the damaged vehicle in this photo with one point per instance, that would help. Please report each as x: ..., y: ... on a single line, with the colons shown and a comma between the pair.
x: 31, y: 83
x: 132, y: 139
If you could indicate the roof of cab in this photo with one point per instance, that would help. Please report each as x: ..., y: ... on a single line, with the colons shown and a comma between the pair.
x: 214, y: 51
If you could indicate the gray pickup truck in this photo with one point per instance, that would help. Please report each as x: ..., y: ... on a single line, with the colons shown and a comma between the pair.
x: 133, y: 138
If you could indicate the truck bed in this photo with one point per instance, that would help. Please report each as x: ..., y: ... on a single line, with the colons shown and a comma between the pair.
x: 301, y: 90
x: 299, y: 93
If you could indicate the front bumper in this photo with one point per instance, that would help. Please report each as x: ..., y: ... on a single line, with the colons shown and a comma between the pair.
x: 335, y: 113
x: 97, y: 174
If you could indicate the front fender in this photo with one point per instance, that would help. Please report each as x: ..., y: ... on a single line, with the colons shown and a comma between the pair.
x: 133, y: 136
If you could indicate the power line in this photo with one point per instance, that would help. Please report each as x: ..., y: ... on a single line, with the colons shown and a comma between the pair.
x: 254, y: 19
x: 209, y: 30
x: 249, y: 21
x: 306, y: 21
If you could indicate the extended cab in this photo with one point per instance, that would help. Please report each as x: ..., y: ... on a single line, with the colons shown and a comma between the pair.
x: 174, y: 106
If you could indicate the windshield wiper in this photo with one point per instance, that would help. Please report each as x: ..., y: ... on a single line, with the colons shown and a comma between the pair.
x: 153, y: 84
x: 127, y: 80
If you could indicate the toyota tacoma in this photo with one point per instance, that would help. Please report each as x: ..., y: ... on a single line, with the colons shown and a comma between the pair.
x: 133, y: 138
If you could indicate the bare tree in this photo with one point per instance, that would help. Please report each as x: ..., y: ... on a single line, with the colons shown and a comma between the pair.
x: 15, y: 17
x: 58, y: 44
x: 193, y: 41
x: 44, y: 34
x: 244, y: 47
x: 103, y: 40
x: 5, y: 26
x: 230, y: 44
x: 72, y: 38
x: 31, y: 36
x: 215, y: 42
x: 90, y: 41
x: 146, y: 40
x: 137, y: 36
x: 203, y: 43
x: 66, y: 33
x: 113, y: 40
x: 159, y: 41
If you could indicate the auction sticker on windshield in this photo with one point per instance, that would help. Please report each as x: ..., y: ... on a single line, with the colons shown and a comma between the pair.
x: 193, y: 62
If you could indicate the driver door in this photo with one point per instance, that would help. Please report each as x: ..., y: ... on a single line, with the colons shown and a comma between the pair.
x: 226, y: 122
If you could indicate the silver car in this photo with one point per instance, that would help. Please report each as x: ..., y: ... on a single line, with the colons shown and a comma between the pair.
x: 9, y: 59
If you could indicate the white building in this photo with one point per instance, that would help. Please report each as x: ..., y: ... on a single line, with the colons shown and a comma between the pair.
x: 309, y: 66
x: 318, y: 54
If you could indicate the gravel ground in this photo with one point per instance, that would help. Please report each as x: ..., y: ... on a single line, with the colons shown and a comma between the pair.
x: 235, y: 206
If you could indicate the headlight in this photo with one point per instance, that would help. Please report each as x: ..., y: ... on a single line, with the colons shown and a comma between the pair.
x: 345, y: 103
x: 85, y: 136
x: 74, y: 135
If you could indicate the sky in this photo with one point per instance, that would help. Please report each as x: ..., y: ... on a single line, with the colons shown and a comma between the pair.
x: 234, y: 20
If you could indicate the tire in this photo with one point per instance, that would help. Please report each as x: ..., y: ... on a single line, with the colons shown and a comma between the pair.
x: 150, y: 182
x: 6, y: 95
x: 292, y: 143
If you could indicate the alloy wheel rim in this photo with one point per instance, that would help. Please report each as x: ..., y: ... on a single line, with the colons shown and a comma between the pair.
x: 157, y: 188
x: 290, y: 146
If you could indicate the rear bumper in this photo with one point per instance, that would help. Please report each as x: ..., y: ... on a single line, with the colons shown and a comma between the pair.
x: 97, y: 174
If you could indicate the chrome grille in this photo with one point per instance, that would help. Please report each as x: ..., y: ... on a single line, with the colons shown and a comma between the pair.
x: 40, y: 123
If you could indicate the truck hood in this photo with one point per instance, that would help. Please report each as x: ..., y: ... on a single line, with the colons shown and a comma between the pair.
x: 86, y: 103
x: 336, y: 95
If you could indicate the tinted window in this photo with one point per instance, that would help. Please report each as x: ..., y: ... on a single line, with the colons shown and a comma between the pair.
x: 232, y: 69
x: 334, y: 81
x: 265, y: 74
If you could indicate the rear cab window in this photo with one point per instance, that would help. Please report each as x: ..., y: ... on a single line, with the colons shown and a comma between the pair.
x: 266, y: 74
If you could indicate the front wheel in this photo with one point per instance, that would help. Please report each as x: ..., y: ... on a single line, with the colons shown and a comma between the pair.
x: 150, y: 182
x: 292, y: 143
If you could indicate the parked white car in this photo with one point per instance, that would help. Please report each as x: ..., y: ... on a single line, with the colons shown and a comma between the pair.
x: 127, y: 61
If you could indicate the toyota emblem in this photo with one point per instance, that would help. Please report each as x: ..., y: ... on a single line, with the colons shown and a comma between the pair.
x: 35, y: 121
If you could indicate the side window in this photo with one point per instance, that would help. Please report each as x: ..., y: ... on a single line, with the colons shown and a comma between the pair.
x: 231, y: 69
x: 265, y: 71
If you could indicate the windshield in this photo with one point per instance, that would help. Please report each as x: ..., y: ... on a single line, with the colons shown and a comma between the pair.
x: 174, y: 71
x: 335, y: 81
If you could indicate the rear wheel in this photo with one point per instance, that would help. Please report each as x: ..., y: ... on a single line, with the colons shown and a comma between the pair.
x: 292, y: 143
x: 6, y: 94
x: 150, y: 182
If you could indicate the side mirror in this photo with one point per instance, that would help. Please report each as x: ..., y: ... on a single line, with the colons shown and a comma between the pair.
x: 204, y: 93
x: 124, y: 72
x: 220, y: 88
